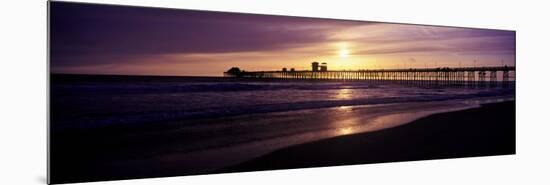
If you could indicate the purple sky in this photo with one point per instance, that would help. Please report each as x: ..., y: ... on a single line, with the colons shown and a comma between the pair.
x: 101, y: 39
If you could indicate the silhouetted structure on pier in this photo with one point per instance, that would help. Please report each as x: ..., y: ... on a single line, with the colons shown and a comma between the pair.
x: 324, y: 67
x: 315, y: 66
x: 420, y: 76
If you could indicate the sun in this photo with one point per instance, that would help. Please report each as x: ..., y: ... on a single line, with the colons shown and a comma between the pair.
x: 343, y: 53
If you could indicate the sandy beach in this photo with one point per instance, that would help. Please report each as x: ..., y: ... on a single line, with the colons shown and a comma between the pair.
x: 485, y: 131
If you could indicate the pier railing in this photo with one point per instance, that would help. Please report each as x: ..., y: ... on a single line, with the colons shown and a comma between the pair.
x: 442, y: 76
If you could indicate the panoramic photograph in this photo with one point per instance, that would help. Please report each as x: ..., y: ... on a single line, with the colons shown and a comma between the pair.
x: 138, y: 92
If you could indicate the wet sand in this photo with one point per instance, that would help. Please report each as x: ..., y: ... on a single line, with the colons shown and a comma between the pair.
x: 485, y: 131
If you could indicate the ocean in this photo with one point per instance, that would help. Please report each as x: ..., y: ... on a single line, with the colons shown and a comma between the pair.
x: 88, y: 101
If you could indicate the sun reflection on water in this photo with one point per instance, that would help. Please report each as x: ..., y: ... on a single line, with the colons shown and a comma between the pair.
x: 344, y: 94
x: 345, y: 108
x: 345, y: 131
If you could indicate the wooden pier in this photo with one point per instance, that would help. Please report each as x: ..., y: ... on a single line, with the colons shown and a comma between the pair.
x: 428, y: 76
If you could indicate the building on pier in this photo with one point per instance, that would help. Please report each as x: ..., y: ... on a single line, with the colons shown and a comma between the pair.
x: 315, y: 66
x: 324, y: 67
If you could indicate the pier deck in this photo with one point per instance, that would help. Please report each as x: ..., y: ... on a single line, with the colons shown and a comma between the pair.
x: 460, y: 75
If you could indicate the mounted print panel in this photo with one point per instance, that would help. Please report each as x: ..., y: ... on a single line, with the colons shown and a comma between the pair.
x: 139, y: 92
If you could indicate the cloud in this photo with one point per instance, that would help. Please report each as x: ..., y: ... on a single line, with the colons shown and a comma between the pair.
x: 391, y: 39
x: 79, y: 31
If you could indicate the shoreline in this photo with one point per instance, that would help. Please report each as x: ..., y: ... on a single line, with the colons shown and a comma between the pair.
x: 455, y: 134
x: 155, y: 144
x: 175, y: 116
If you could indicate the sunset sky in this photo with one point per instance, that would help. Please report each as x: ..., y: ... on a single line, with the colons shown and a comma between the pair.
x: 100, y: 39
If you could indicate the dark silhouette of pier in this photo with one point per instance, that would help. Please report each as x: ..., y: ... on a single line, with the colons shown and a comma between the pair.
x: 492, y: 75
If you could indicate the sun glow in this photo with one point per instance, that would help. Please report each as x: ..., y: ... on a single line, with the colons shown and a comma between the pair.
x: 343, y: 53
